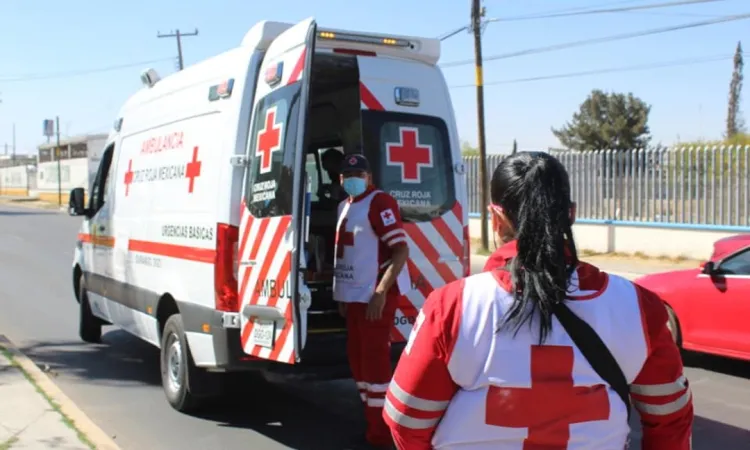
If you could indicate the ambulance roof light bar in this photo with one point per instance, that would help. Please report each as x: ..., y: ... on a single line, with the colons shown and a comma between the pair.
x: 426, y: 50
x: 364, y: 39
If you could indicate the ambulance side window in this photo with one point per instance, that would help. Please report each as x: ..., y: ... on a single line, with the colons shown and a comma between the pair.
x: 98, y: 188
x: 412, y: 160
x: 273, y: 144
x: 312, y: 171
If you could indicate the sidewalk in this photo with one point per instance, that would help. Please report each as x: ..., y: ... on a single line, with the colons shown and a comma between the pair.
x: 36, y: 415
x: 27, y: 419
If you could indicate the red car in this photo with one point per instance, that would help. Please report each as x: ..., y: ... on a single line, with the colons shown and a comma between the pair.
x: 709, y: 307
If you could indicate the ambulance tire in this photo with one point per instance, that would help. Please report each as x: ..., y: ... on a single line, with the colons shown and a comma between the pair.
x: 674, y: 326
x: 179, y: 374
x: 89, y: 326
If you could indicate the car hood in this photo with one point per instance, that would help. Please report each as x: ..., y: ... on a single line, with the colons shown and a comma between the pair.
x: 667, y: 282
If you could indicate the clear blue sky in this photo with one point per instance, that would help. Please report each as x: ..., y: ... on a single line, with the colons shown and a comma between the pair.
x: 44, y: 38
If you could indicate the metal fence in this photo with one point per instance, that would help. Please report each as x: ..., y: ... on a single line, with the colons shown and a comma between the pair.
x: 692, y: 185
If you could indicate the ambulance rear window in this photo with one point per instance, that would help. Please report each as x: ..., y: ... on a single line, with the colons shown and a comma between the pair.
x: 268, y: 190
x: 412, y: 161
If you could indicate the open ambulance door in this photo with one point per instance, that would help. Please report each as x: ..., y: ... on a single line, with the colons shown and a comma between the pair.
x: 273, y: 298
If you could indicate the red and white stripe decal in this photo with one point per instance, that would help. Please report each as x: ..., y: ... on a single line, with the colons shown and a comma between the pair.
x: 299, y: 66
x: 436, y: 254
x: 184, y: 252
x: 265, y: 241
x: 368, y: 99
x: 436, y: 251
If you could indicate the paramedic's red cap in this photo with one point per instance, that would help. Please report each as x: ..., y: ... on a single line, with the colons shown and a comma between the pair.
x: 355, y: 162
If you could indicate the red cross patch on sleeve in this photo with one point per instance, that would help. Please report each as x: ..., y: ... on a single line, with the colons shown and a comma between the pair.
x: 387, y: 217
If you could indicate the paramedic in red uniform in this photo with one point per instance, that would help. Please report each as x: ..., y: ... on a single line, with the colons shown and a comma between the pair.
x: 488, y: 364
x: 370, y: 274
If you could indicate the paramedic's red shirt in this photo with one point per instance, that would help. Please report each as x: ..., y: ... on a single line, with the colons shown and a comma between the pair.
x: 657, y: 391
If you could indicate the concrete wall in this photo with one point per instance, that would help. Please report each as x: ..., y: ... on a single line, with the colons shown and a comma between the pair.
x: 17, y: 181
x: 74, y: 173
x: 650, y: 239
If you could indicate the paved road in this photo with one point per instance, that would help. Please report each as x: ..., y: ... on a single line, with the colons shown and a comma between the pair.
x: 117, y: 383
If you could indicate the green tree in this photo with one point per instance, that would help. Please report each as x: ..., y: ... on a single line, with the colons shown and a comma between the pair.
x: 607, y: 121
x: 468, y: 150
x: 735, y: 123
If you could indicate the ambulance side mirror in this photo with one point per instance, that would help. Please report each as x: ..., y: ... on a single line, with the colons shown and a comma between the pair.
x: 76, y: 204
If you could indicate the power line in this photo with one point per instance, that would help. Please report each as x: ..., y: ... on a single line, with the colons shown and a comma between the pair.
x: 648, y: 66
x: 74, y: 73
x: 583, y: 11
x: 616, y: 37
x: 602, y: 11
x: 455, y: 31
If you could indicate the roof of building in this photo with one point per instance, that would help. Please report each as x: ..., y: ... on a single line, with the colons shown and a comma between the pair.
x: 72, y: 140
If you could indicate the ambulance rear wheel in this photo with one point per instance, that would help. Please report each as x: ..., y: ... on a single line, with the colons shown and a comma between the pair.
x: 178, y: 367
x: 89, y: 326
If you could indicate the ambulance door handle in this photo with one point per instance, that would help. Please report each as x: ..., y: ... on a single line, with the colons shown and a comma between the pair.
x: 447, y: 259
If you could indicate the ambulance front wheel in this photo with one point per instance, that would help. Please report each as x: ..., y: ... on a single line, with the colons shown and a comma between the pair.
x: 89, y: 326
x: 178, y: 370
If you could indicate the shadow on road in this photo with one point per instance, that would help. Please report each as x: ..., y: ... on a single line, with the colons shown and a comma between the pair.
x: 707, y: 434
x: 120, y: 360
x: 316, y: 416
x: 298, y: 414
x: 710, y: 435
x: 727, y: 366
x: 277, y: 413
x: 30, y: 212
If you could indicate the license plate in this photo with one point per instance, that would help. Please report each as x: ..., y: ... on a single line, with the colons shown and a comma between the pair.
x: 264, y: 332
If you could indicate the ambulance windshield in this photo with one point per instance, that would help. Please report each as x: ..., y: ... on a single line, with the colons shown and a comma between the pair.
x: 411, y: 158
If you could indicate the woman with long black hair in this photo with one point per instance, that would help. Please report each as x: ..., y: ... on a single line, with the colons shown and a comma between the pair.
x: 542, y: 351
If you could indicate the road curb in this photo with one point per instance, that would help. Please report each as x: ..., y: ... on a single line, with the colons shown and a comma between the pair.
x: 81, y: 421
x: 43, y: 206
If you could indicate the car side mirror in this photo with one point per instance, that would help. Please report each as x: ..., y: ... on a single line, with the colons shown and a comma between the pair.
x: 76, y: 204
x: 708, y: 267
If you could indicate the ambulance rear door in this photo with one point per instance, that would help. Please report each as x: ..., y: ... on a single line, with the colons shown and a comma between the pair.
x: 272, y: 316
x: 409, y: 133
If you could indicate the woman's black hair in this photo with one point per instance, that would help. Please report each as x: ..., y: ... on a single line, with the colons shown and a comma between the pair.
x: 533, y: 189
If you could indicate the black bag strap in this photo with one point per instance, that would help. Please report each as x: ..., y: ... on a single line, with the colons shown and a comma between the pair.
x: 595, y: 351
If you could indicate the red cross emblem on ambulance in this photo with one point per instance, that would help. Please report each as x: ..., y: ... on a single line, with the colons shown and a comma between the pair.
x: 409, y: 154
x: 269, y: 140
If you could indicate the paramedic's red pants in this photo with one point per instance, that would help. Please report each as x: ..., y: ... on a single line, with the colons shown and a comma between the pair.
x: 369, y: 349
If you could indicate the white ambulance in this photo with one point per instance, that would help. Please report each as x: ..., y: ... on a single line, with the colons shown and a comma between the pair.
x: 206, y: 232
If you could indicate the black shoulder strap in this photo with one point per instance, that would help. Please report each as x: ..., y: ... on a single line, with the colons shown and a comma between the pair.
x: 595, y: 351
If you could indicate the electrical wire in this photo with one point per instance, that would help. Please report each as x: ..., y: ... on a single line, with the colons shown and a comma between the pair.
x: 581, y: 11
x: 74, y: 73
x: 631, y: 68
x: 616, y: 37
x: 602, y: 11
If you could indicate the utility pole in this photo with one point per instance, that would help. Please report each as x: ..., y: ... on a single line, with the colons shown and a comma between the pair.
x: 13, y: 155
x: 179, y: 37
x: 477, y: 12
x: 57, y: 152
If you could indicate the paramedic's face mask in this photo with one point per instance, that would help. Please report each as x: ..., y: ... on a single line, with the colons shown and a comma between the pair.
x: 355, y: 183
